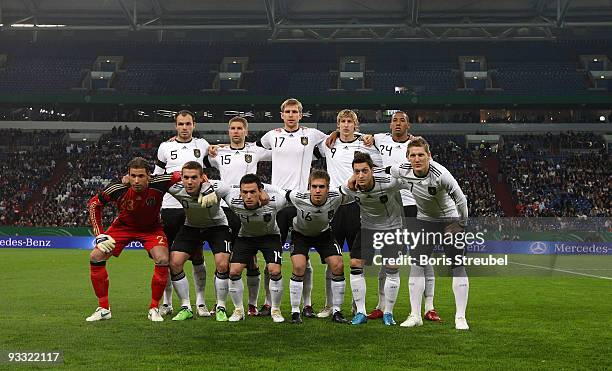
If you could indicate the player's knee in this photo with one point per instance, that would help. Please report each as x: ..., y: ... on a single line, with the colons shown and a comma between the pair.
x: 297, y: 278
x: 299, y: 269
x: 337, y: 267
x: 253, y: 272
x: 235, y: 271
x: 275, y: 272
x: 97, y: 256
x: 177, y: 276
x: 223, y: 266
x: 175, y: 266
x: 222, y: 275
x: 356, y: 271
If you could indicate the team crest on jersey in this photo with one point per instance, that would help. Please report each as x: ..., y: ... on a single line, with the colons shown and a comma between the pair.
x: 248, y: 158
x: 267, y: 217
x: 432, y: 190
x: 304, y: 141
x: 384, y: 199
x: 196, y: 152
x: 150, y: 201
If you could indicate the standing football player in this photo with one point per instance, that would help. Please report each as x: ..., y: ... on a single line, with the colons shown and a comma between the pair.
x: 377, y: 195
x: 442, y: 208
x: 293, y: 149
x: 139, y: 203
x: 339, y: 154
x: 393, y: 148
x: 235, y: 161
x: 171, y: 155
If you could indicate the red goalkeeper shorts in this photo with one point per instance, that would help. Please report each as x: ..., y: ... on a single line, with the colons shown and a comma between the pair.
x: 149, y: 238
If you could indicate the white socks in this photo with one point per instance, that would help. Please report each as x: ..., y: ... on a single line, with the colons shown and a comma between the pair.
x: 382, y: 277
x: 181, y: 285
x: 222, y: 288
x: 253, y: 285
x: 430, y: 285
x: 337, y: 289
x: 416, y: 284
x: 461, y: 288
x: 276, y: 292
x: 358, y: 286
x: 307, y: 293
x: 295, y: 294
x: 391, y: 288
x: 236, y: 291
x: 199, y: 281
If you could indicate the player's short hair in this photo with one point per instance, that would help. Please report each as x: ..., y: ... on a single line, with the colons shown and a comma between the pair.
x: 192, y: 165
x: 244, y: 121
x: 361, y: 158
x: 138, y: 163
x: 347, y: 113
x: 184, y: 113
x: 418, y: 142
x: 318, y: 174
x: 212, y: 173
x: 403, y: 113
x: 291, y: 102
x: 250, y: 179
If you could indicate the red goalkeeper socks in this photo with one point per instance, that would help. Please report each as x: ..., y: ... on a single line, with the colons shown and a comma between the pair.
x: 99, y: 280
x: 158, y: 284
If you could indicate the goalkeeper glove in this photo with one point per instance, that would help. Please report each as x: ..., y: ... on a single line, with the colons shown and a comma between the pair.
x: 207, y: 200
x: 105, y: 243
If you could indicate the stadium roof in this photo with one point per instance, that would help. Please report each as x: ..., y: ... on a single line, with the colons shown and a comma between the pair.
x: 320, y: 20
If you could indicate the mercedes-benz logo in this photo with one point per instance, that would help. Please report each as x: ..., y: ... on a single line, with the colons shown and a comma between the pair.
x: 538, y: 247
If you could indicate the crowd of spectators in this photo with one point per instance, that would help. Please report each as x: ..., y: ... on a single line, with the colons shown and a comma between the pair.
x: 549, y: 175
x: 548, y: 183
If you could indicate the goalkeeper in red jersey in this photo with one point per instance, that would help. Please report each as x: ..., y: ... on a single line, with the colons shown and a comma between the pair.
x: 139, y: 203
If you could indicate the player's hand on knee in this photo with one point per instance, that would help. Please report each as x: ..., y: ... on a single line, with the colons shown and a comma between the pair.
x: 105, y: 243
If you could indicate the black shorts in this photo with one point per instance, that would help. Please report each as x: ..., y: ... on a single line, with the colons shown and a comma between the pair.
x: 346, y: 224
x: 370, y: 243
x: 233, y: 221
x: 284, y: 219
x: 410, y: 211
x: 426, y: 247
x: 189, y: 239
x: 173, y: 220
x: 324, y: 243
x: 245, y: 247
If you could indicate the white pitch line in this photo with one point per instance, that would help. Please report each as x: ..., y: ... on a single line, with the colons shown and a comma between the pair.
x: 562, y: 270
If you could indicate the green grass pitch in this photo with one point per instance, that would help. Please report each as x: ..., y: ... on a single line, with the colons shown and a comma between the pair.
x: 536, y: 318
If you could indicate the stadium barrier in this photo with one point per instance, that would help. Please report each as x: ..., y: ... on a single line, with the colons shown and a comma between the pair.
x: 488, y: 247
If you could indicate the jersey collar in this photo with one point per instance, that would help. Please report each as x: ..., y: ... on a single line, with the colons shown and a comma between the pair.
x: 189, y: 141
x: 238, y: 149
x: 403, y: 141
x: 294, y: 131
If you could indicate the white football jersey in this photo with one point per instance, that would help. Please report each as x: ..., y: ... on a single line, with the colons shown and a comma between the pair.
x: 394, y: 153
x: 437, y: 194
x: 339, y: 159
x: 253, y: 222
x: 172, y: 155
x: 292, y: 154
x: 312, y: 220
x: 196, y: 215
x: 233, y: 163
x: 381, y: 208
